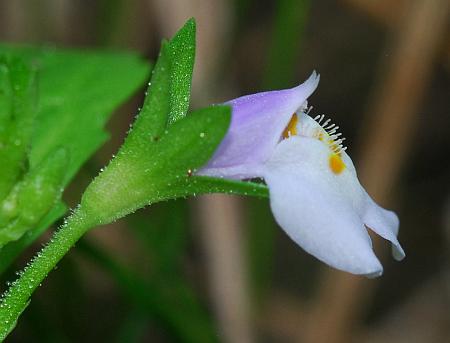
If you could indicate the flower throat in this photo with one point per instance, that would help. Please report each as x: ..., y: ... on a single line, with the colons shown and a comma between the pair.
x: 325, y: 132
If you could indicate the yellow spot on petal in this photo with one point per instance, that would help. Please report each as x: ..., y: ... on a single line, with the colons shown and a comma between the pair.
x: 336, y: 163
x: 291, y: 128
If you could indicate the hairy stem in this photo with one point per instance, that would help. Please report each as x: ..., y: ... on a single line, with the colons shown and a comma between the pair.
x: 16, y: 299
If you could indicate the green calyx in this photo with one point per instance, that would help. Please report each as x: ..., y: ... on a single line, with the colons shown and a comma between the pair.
x: 165, y: 147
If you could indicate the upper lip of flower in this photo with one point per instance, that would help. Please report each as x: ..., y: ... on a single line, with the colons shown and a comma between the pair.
x: 315, y: 194
x: 257, y: 123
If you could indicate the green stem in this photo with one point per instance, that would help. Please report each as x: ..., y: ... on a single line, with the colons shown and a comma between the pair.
x: 16, y: 299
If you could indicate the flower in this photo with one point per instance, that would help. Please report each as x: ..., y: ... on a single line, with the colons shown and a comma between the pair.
x: 315, y: 194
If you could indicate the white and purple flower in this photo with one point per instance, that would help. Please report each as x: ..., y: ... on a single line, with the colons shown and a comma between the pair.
x: 315, y: 194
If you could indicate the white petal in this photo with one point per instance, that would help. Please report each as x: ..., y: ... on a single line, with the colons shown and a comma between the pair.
x: 318, y: 209
x: 385, y: 223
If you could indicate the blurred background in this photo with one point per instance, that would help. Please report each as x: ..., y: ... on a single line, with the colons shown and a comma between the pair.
x: 217, y: 268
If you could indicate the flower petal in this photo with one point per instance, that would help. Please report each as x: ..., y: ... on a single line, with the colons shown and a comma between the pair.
x: 257, y: 123
x: 318, y: 209
x: 385, y: 223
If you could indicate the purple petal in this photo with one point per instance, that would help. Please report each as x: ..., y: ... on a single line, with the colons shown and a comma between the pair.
x: 257, y: 123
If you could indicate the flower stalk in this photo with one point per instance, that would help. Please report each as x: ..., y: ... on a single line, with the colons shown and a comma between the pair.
x: 15, y: 300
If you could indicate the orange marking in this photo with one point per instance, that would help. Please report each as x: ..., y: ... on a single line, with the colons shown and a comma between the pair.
x: 336, y: 163
x: 291, y: 128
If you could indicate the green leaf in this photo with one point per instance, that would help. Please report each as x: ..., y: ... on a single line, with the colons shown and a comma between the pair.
x: 76, y: 104
x: 79, y: 90
x: 182, y: 55
x: 32, y: 197
x: 152, y: 118
x: 17, y: 113
x: 5, y: 100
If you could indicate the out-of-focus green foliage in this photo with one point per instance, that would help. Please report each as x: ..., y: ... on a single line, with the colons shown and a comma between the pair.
x: 164, y: 237
x: 284, y: 50
x: 48, y: 132
x: 162, y: 293
x: 133, y: 327
x: 17, y: 111
x: 11, y: 251
x: 169, y: 301
x: 262, y: 233
x: 32, y: 197
x: 78, y: 92
x: 110, y: 16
